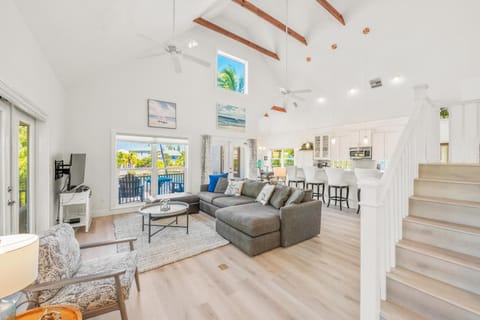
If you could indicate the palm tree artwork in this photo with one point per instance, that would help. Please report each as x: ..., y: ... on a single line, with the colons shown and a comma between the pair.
x: 231, y: 73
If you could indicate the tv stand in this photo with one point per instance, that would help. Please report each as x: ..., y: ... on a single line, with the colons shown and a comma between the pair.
x: 76, y: 198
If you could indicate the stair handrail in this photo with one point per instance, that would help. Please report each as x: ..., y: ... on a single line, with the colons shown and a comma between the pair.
x: 385, y: 201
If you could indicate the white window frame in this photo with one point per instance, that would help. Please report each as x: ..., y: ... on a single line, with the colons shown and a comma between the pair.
x: 282, y: 158
x: 142, y: 138
x: 245, y: 62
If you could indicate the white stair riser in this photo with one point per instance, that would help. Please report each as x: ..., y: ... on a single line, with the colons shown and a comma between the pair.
x: 450, y: 172
x: 458, y: 191
x: 439, y: 269
x: 425, y: 304
x: 448, y: 239
x: 452, y: 213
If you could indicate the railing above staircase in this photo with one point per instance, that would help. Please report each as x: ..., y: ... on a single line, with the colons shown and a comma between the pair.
x: 385, y: 202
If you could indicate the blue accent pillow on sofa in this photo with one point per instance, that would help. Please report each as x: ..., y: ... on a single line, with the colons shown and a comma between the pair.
x: 214, y: 179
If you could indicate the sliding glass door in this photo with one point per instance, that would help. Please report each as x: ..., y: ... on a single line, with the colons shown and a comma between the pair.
x: 148, y: 166
x: 16, y: 170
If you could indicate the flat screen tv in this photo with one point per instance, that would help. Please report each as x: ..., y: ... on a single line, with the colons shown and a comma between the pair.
x: 77, y: 170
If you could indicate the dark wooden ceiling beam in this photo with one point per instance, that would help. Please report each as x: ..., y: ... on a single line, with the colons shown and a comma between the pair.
x: 265, y: 16
x: 209, y: 25
x: 334, y: 12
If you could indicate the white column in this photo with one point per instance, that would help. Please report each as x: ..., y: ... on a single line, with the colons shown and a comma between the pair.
x: 370, y: 253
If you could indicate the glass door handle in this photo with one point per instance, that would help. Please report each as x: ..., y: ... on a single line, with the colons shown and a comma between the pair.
x: 10, y: 202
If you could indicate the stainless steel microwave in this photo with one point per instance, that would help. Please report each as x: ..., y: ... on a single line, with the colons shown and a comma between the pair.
x: 357, y: 153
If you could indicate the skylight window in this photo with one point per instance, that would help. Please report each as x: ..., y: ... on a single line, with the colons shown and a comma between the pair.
x: 232, y: 73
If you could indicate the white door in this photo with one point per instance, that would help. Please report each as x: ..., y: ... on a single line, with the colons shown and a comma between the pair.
x: 16, y: 166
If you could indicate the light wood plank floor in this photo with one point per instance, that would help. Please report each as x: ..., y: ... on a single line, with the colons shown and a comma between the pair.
x: 316, y: 279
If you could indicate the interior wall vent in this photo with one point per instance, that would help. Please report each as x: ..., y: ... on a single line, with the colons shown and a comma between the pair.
x: 375, y: 83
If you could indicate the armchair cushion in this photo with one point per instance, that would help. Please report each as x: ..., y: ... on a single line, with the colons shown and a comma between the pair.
x: 93, y: 295
x: 120, y: 261
x: 59, y: 257
x: 86, y: 296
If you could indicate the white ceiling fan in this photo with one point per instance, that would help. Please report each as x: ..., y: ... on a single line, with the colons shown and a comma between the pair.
x: 175, y: 51
x: 290, y: 96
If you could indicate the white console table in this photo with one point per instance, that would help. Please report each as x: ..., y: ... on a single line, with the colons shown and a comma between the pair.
x: 76, y: 198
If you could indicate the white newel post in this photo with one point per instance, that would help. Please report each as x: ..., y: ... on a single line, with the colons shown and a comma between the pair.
x: 370, y: 252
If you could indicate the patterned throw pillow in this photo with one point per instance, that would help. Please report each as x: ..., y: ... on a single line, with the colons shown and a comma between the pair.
x: 234, y: 188
x: 265, y: 194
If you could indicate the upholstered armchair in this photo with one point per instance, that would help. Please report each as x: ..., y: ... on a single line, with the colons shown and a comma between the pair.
x: 93, y: 286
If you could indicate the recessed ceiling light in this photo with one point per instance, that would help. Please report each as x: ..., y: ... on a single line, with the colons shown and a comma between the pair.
x: 321, y: 99
x: 353, y: 91
x: 366, y: 30
x: 192, y: 43
x: 397, y: 80
x: 334, y: 46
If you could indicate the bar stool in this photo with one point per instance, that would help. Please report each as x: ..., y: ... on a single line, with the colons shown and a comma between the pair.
x: 295, y: 176
x: 313, y: 179
x: 336, y: 180
x: 362, y: 175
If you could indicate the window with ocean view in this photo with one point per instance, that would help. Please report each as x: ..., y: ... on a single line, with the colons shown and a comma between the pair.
x: 148, y: 166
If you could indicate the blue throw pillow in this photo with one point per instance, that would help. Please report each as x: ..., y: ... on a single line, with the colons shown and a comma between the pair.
x: 214, y: 179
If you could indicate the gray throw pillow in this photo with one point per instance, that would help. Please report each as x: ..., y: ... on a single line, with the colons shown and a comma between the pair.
x: 296, y: 197
x: 308, y: 195
x: 221, y: 186
x: 252, y: 188
x: 280, y: 195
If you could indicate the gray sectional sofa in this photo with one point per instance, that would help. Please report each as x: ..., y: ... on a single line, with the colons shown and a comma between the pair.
x: 255, y: 228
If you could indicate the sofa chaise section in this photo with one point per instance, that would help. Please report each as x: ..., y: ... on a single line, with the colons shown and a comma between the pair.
x: 253, y: 228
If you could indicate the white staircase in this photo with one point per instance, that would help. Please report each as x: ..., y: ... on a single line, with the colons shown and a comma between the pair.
x: 437, y: 272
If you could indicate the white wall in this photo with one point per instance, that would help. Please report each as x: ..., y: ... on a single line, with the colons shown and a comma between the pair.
x: 116, y: 100
x: 24, y: 69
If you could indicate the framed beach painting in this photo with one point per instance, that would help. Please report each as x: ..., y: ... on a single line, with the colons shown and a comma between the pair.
x: 232, y: 73
x: 231, y: 117
x: 162, y: 114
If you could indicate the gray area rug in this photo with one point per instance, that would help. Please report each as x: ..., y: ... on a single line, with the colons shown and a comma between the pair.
x: 171, y: 244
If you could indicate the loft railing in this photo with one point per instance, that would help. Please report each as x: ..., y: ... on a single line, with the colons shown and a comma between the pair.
x: 385, y: 202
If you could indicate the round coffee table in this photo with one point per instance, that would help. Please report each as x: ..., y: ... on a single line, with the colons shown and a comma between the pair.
x: 153, y: 213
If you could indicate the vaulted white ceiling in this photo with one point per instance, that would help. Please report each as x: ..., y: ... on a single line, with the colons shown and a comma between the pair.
x: 428, y: 41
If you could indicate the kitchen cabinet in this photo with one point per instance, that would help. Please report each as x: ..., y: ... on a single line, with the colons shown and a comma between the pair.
x: 321, y: 147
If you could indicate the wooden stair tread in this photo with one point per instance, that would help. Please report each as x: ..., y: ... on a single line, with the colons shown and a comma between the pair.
x: 440, y: 290
x: 392, y: 311
x: 444, y: 225
x: 449, y: 201
x: 450, y: 164
x: 448, y: 181
x: 440, y: 253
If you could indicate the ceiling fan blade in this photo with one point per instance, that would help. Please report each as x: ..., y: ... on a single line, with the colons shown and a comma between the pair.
x: 301, y: 91
x: 196, y: 60
x: 294, y: 96
x: 176, y: 64
x: 153, y: 55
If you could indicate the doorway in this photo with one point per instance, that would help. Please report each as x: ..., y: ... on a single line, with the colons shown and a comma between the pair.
x: 17, y: 136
